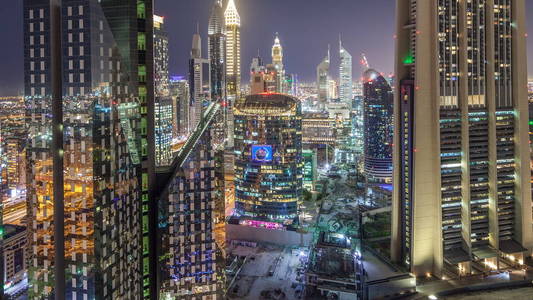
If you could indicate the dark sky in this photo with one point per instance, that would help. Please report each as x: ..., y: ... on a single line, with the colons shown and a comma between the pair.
x: 305, y: 27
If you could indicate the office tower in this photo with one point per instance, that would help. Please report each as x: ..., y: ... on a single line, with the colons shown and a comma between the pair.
x: 188, y: 258
x: 163, y: 101
x: 217, y: 50
x: 291, y: 84
x: 257, y: 64
x: 161, y: 77
x: 199, y: 83
x: 233, y: 50
x: 277, y: 61
x: 179, y: 90
x: 378, y: 126
x: 89, y: 97
x: 358, y: 122
x: 322, y: 81
x: 462, y: 195
x: 268, y: 159
x: 345, y: 76
x: 333, y: 90
x: 309, y: 170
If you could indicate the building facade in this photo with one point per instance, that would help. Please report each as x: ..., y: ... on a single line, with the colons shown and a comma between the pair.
x: 268, y: 159
x: 199, y: 83
x: 345, y: 75
x: 163, y: 99
x: 189, y: 267
x: 217, y: 50
x: 378, y: 126
x: 88, y: 107
x: 322, y: 80
x: 233, y: 50
x: 462, y: 195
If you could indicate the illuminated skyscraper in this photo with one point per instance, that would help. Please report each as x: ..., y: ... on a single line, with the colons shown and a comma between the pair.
x: 163, y: 101
x: 233, y: 50
x: 378, y: 126
x: 199, y: 82
x: 187, y: 197
x: 322, y: 80
x: 462, y: 195
x: 277, y: 61
x: 179, y: 89
x: 268, y: 159
x: 217, y: 50
x: 345, y: 76
x: 89, y: 96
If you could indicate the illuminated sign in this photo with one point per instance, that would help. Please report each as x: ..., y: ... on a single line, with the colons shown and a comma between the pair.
x: 262, y: 153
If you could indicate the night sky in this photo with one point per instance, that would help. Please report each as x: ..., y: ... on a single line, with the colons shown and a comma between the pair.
x: 305, y: 27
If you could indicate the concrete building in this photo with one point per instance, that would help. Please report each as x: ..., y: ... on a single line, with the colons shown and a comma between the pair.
x: 462, y: 195
x: 15, y: 242
x: 199, y: 82
x: 345, y: 75
x: 322, y: 80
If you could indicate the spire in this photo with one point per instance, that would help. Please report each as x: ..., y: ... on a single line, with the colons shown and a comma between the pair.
x: 329, y: 56
x: 197, y: 27
x: 232, y: 15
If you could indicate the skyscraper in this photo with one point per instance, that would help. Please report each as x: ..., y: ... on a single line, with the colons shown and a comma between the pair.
x: 89, y: 96
x: 187, y: 197
x: 268, y: 159
x: 233, y: 50
x: 322, y: 80
x: 378, y: 126
x: 163, y: 100
x: 217, y: 50
x: 199, y: 82
x: 277, y: 61
x: 345, y: 76
x: 179, y: 89
x: 462, y: 194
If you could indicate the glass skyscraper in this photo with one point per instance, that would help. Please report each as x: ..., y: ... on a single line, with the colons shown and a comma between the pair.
x: 345, y: 76
x: 268, y: 159
x: 378, y: 126
x: 88, y: 91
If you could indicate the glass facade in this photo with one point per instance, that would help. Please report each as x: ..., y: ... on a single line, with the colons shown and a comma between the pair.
x: 104, y: 102
x: 268, y: 157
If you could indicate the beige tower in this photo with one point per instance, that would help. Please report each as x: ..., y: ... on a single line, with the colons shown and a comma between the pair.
x: 462, y: 199
x: 233, y: 50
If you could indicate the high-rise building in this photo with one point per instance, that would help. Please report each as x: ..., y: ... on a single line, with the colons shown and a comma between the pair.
x: 233, y: 50
x: 268, y: 159
x: 179, y: 90
x: 188, y: 263
x: 378, y: 126
x: 217, y: 50
x: 345, y: 76
x: 462, y: 195
x: 199, y: 83
x: 89, y: 96
x: 263, y: 79
x: 277, y: 62
x: 322, y: 80
x: 163, y: 100
x: 161, y: 76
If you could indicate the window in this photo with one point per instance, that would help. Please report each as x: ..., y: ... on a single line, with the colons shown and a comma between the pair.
x: 69, y: 11
x: 31, y: 27
x: 42, y: 52
x: 69, y: 51
x: 80, y: 10
x: 81, y: 24
x: 82, y: 64
x: 43, y: 78
x: 70, y: 64
x: 31, y: 40
x: 32, y: 66
x: 41, y: 39
x: 32, y: 53
x: 70, y: 37
x: 41, y: 13
x: 41, y: 26
x: 69, y: 24
x: 81, y: 37
x: 82, y: 53
x: 42, y: 65
x: 31, y: 13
